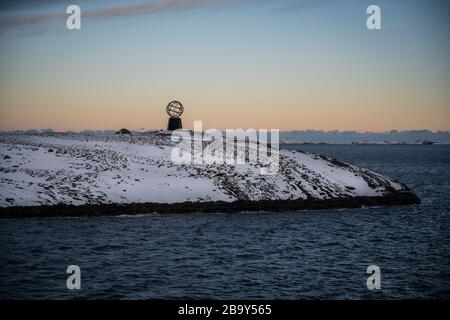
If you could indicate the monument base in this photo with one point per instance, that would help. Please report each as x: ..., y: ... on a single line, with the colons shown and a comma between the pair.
x: 174, y: 124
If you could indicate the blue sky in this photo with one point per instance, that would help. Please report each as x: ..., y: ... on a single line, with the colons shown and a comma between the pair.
x: 264, y: 64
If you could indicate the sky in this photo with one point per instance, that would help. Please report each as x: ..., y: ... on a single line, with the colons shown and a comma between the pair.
x: 286, y: 64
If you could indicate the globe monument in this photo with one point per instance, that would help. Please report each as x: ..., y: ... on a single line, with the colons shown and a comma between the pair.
x: 174, y: 109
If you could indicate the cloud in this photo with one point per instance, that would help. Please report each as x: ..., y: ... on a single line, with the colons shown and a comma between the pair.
x: 149, y: 7
x: 42, y: 21
x: 18, y: 4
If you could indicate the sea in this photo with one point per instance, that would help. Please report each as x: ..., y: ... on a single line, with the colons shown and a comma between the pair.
x: 250, y: 255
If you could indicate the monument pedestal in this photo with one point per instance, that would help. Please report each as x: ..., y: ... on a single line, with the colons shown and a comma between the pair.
x: 174, y: 124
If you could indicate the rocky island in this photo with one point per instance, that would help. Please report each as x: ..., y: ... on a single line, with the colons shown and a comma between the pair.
x: 74, y: 174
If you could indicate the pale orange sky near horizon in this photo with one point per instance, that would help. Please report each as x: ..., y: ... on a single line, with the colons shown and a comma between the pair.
x: 242, y: 67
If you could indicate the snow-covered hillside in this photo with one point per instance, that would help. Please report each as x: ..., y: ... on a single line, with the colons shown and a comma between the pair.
x: 47, y: 169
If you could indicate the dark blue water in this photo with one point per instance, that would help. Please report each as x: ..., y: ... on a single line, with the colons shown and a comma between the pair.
x: 309, y: 254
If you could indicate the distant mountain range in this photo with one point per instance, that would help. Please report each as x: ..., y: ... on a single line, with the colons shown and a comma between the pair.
x: 348, y: 137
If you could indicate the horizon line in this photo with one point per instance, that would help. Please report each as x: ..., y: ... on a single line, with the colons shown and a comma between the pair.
x: 51, y: 130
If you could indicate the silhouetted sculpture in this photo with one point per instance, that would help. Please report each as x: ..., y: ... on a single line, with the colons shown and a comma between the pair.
x: 174, y: 109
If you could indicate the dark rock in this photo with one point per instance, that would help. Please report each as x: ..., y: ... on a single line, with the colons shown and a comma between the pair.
x: 63, y: 210
x: 123, y: 131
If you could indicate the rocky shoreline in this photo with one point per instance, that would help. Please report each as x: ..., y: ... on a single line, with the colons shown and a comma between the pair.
x: 92, y: 210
